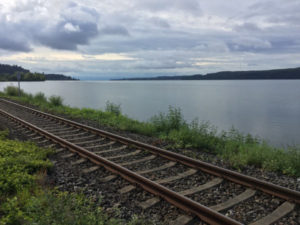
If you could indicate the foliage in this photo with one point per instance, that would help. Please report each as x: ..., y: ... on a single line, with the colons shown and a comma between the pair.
x: 24, y: 77
x: 237, y: 148
x: 13, y: 91
x: 58, y: 77
x: 9, y: 73
x: 40, y: 97
x: 290, y: 73
x: 3, y: 134
x: 173, y: 120
x: 8, y: 69
x: 55, y: 101
x: 24, y: 200
x: 262, y: 155
x: 53, y: 207
x: 113, y: 108
x: 18, y: 163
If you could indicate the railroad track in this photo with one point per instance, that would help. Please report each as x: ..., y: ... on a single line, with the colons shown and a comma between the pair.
x: 180, y: 180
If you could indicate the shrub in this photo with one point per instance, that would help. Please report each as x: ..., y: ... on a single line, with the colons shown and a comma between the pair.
x: 40, y: 97
x: 53, y: 207
x: 3, y: 134
x: 173, y: 120
x: 18, y: 162
x: 13, y: 91
x: 113, y: 108
x: 56, y: 101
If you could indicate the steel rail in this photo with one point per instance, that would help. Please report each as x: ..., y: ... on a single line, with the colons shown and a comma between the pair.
x: 254, y: 183
x: 204, y: 213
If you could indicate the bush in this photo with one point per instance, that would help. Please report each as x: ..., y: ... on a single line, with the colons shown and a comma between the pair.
x: 40, y: 97
x: 53, y: 207
x: 56, y: 101
x: 18, y: 162
x: 173, y: 120
x: 13, y: 91
x: 113, y: 108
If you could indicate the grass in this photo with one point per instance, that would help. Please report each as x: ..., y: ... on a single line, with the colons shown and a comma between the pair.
x: 55, y: 101
x: 25, y: 198
x: 113, y: 108
x: 39, y: 97
x: 237, y: 148
x: 18, y: 164
x: 13, y: 91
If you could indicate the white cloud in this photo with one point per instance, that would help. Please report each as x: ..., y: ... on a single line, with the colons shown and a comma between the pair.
x: 149, y: 36
x: 71, y: 28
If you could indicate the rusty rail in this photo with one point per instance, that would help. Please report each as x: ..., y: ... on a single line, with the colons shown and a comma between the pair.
x: 204, y: 213
x: 267, y: 187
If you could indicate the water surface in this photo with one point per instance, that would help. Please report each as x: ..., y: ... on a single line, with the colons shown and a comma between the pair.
x: 267, y: 108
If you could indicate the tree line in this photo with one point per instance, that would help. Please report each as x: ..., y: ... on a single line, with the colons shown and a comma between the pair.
x: 291, y: 73
x: 9, y: 73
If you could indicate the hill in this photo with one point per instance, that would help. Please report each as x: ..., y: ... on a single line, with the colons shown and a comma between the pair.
x: 292, y: 73
x: 58, y: 77
x: 9, y: 73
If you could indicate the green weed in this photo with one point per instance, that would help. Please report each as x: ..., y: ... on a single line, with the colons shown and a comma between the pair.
x: 13, y: 91
x: 113, y: 108
x: 24, y: 201
x: 18, y: 163
x: 237, y: 148
x: 165, y: 123
x: 53, y: 207
x: 39, y: 97
x: 55, y: 101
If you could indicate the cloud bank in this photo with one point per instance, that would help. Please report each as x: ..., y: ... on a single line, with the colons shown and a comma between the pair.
x: 149, y: 37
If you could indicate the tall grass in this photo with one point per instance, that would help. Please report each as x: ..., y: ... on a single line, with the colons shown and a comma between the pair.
x: 56, y: 101
x: 237, y: 148
x: 40, y: 97
x: 166, y: 122
x: 13, y: 91
x: 113, y: 108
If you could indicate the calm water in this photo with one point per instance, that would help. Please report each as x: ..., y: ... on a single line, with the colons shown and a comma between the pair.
x: 267, y: 108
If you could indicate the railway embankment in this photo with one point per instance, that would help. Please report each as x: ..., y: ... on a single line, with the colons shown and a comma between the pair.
x: 86, y: 156
x: 198, y: 139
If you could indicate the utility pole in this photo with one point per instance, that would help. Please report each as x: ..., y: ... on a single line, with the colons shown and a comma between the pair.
x: 19, y: 78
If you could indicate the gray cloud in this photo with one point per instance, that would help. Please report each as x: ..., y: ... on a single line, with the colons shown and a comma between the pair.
x: 114, y: 30
x: 14, y: 45
x: 67, y: 35
x: 77, y: 26
x: 163, y: 36
x: 12, y: 37
x: 74, y: 25
x: 191, y: 6
x: 249, y: 44
x: 247, y: 27
x: 160, y: 22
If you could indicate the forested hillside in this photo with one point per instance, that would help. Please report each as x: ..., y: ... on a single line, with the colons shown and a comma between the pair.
x: 9, y: 73
x: 292, y: 73
x: 58, y: 77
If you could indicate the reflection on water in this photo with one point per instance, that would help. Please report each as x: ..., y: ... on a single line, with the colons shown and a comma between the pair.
x: 267, y: 108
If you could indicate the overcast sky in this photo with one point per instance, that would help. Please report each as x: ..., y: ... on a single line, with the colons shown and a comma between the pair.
x: 130, y: 38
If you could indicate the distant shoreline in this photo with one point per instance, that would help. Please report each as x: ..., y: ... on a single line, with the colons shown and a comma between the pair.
x: 277, y: 74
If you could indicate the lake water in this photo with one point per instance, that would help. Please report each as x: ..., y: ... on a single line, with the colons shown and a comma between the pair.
x: 266, y: 108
